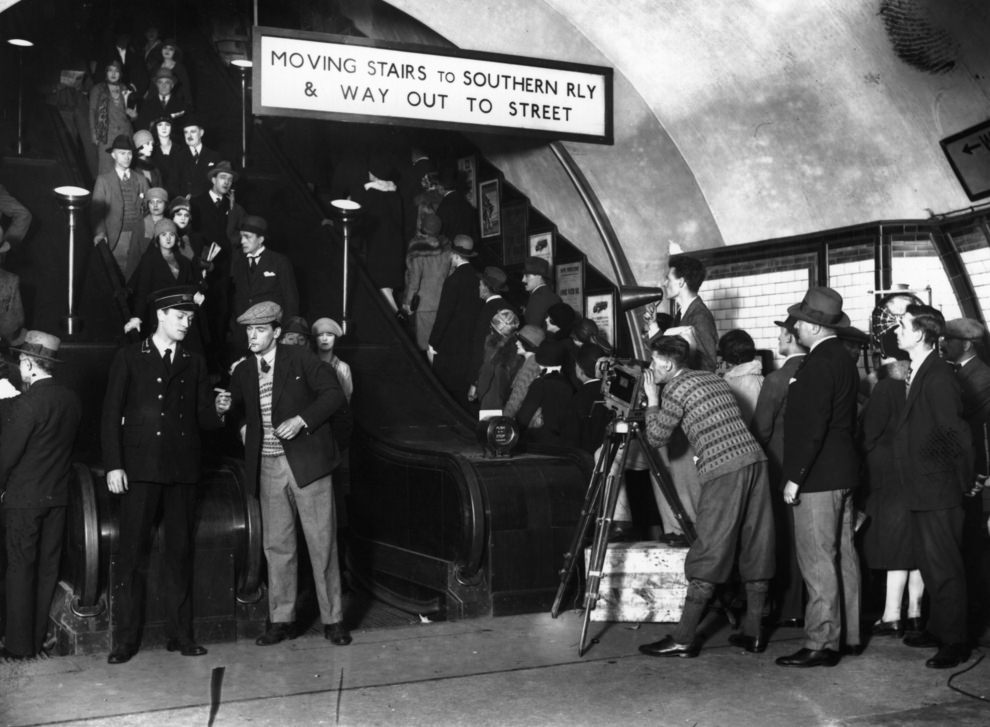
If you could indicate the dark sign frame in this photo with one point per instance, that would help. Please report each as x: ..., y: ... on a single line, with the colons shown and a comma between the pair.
x: 957, y: 146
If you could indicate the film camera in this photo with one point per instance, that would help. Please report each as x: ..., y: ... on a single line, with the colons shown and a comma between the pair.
x: 622, y: 386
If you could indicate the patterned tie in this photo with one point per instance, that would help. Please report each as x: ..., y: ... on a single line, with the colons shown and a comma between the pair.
x: 127, y: 175
x: 264, y: 365
x: 907, y: 384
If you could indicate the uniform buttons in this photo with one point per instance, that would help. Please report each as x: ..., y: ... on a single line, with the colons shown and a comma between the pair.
x: 159, y: 396
x: 158, y: 380
x: 158, y: 434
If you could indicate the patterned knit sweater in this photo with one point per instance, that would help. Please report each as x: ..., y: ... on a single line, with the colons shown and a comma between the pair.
x: 706, y: 410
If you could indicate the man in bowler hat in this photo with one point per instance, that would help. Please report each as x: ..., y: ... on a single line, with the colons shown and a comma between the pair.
x: 286, y: 396
x: 821, y: 467
x: 36, y: 439
x: 158, y: 398
x: 536, y: 280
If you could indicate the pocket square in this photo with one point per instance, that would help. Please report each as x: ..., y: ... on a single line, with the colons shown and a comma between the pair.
x: 269, y: 274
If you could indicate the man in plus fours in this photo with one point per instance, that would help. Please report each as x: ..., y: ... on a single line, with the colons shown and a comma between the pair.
x: 287, y: 396
x: 38, y: 433
x: 158, y: 397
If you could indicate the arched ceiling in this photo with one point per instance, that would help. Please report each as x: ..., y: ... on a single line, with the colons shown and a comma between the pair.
x: 740, y: 120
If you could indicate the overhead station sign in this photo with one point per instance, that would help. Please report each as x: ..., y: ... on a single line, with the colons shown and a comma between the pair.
x: 353, y: 79
x: 969, y: 154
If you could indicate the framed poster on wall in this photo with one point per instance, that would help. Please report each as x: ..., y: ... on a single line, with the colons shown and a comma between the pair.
x: 468, y: 167
x: 570, y: 284
x: 489, y: 209
x: 601, y: 309
x: 515, y: 222
x: 541, y: 245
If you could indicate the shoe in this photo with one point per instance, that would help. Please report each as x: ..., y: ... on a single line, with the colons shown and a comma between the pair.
x: 186, y: 648
x: 121, y: 654
x: 810, y: 657
x: 752, y: 644
x: 791, y: 623
x: 853, y: 650
x: 921, y: 640
x: 915, y: 624
x: 949, y: 656
x: 275, y: 633
x: 888, y: 628
x: 668, y: 647
x: 337, y: 633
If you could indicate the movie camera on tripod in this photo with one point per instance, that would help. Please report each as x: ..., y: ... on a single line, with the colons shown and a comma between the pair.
x: 622, y: 386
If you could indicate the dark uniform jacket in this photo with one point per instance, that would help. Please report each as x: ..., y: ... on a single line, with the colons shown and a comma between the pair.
x: 38, y: 433
x: 303, y: 386
x: 820, y: 421
x: 271, y: 279
x: 152, y: 417
x: 932, y: 442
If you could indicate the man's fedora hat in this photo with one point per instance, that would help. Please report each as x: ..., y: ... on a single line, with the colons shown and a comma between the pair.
x: 164, y: 73
x: 495, y: 278
x: 40, y: 345
x: 219, y: 167
x: 821, y: 306
x: 121, y: 143
x: 254, y: 224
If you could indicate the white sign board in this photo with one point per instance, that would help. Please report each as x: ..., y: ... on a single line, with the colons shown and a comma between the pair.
x: 354, y: 79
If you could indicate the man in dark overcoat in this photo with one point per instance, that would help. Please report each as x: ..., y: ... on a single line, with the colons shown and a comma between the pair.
x: 194, y: 160
x: 934, y: 461
x: 287, y: 396
x: 158, y: 397
x: 821, y: 468
x: 450, y: 341
x: 39, y: 430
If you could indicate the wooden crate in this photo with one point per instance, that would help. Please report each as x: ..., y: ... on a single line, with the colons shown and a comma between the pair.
x: 641, y: 582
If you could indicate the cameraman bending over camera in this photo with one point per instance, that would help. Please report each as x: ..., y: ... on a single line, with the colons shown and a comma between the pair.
x: 735, y: 495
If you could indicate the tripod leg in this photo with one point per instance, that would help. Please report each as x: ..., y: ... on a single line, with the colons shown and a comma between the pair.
x: 591, y: 506
x: 667, y: 488
x: 600, y: 545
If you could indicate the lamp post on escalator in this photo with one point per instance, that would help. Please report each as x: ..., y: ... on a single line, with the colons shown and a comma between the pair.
x: 243, y: 65
x: 72, y: 200
x: 20, y: 44
x: 347, y: 212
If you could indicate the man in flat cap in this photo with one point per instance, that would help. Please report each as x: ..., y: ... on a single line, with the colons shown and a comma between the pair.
x: 449, y: 351
x: 963, y: 345
x: 158, y: 398
x: 821, y: 467
x: 286, y: 397
x: 536, y: 281
x: 36, y: 439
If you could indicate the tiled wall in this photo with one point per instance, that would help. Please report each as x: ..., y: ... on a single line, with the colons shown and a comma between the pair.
x: 916, y: 265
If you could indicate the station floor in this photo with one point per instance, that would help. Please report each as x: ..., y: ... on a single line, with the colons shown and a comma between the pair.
x: 516, y: 670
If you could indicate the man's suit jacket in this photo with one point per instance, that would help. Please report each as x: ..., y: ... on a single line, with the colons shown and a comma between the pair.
x: 457, y: 311
x: 932, y: 443
x: 302, y: 385
x: 457, y: 216
x: 700, y: 317
x: 152, y: 108
x: 152, y: 416
x: 272, y: 279
x: 540, y: 301
x: 36, y: 440
x: 482, y: 327
x: 11, y: 307
x: 974, y: 380
x: 220, y: 225
x: 768, y: 419
x: 107, y: 207
x: 191, y: 180
x: 820, y: 421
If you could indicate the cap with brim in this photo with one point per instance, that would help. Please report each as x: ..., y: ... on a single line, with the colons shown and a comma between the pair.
x: 821, y: 306
x: 253, y: 224
x: 965, y: 329
x: 221, y: 168
x: 181, y: 297
x: 40, y: 345
x: 296, y: 324
x: 164, y: 118
x: 260, y: 314
x: 164, y: 73
x: 190, y: 120
x: 121, y: 143
x: 327, y: 325
x: 495, y: 278
x: 536, y: 266
x: 463, y: 245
